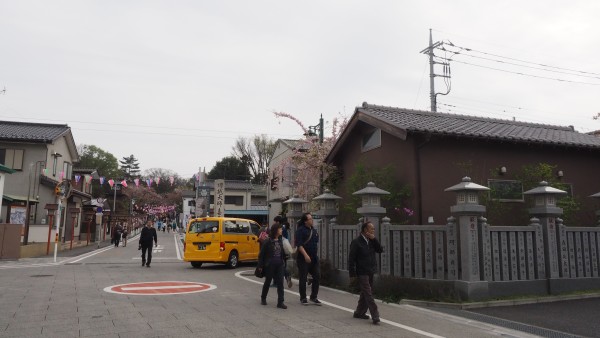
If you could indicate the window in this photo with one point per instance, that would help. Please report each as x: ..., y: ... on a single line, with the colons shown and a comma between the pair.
x: 506, y: 190
x: 67, y: 170
x: 235, y: 200
x: 12, y: 158
x: 255, y: 228
x: 204, y: 227
x: 236, y: 227
x: 191, y: 203
x: 371, y: 140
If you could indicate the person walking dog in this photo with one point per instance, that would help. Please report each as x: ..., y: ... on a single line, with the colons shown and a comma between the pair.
x: 362, y: 264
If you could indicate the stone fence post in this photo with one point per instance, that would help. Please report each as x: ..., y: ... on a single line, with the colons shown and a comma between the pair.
x: 597, y: 195
x: 328, y: 210
x: 468, y: 211
x: 545, y: 209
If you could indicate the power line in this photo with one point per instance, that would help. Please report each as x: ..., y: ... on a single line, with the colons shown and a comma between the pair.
x: 524, y: 61
x: 573, y: 73
x: 529, y: 75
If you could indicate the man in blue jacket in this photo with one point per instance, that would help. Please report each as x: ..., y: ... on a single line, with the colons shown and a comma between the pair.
x: 307, y: 259
x: 362, y: 264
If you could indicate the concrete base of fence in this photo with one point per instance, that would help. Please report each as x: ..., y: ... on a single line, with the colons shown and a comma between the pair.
x: 564, y: 285
x: 472, y: 290
x: 518, y: 288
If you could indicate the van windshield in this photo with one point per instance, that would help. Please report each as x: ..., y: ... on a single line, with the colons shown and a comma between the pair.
x: 203, y: 227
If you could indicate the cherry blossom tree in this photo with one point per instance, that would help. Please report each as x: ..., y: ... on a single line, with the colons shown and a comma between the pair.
x: 308, y: 159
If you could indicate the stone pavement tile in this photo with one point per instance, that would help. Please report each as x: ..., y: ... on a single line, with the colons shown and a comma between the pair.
x: 64, y: 331
x: 93, y: 315
x: 93, y: 311
x: 102, y: 322
x: 18, y: 324
x: 29, y: 317
x: 309, y: 327
x: 21, y: 332
x: 211, y: 333
x: 99, y: 330
x: 58, y: 315
x: 167, y: 324
x: 132, y: 327
x: 160, y: 333
x: 351, y: 325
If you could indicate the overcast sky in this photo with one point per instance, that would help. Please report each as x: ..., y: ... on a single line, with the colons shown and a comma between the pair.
x: 176, y: 82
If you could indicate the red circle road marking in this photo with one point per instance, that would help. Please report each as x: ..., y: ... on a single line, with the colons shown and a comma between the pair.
x: 159, y: 288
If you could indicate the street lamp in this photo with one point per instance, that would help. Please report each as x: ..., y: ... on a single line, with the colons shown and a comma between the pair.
x: 312, y: 131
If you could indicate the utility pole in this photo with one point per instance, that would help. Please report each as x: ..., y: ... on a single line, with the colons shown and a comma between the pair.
x: 432, y: 75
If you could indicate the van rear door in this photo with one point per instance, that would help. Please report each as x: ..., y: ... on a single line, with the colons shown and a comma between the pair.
x: 203, y: 240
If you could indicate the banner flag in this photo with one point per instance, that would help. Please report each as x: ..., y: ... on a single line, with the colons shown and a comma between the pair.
x: 101, y: 180
x: 171, y: 179
x: 111, y: 182
x: 137, y: 182
x: 124, y: 183
x: 77, y: 178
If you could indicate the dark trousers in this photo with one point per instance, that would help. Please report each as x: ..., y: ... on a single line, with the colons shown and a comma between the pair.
x: 274, y: 272
x: 148, y: 248
x: 116, y: 241
x: 303, y: 270
x: 366, y: 301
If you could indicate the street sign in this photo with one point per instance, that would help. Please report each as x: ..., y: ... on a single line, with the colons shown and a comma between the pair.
x: 159, y: 288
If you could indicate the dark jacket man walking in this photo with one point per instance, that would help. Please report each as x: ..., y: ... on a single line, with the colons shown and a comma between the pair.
x: 147, y: 235
x: 362, y: 263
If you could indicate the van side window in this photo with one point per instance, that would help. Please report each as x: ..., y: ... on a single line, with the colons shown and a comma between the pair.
x: 203, y: 227
x: 243, y: 227
x: 255, y: 228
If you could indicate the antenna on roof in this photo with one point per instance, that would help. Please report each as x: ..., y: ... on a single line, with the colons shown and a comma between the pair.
x: 3, y: 91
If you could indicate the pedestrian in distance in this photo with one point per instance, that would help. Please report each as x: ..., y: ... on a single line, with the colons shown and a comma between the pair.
x: 145, y: 243
x: 362, y: 265
x: 271, y: 260
x: 118, y: 230
x: 307, y: 259
x: 124, y: 236
x: 286, y: 245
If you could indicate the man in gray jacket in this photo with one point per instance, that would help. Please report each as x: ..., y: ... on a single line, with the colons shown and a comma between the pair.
x: 362, y: 264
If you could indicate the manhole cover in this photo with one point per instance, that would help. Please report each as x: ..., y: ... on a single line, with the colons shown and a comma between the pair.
x: 41, y: 275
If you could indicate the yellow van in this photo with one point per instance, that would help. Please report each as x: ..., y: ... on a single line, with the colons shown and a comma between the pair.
x: 221, y: 240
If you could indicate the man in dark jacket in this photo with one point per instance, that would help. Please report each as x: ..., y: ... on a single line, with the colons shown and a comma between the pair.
x: 147, y: 235
x: 362, y: 263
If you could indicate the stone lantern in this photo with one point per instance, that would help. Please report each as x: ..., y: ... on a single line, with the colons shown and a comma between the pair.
x: 467, y: 197
x: 328, y: 210
x: 467, y: 211
x: 371, y: 208
x: 296, y: 207
x: 328, y: 205
x: 545, y: 209
x: 597, y: 195
x: 545, y: 200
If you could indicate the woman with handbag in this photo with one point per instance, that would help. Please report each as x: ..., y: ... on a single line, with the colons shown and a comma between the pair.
x: 271, y: 262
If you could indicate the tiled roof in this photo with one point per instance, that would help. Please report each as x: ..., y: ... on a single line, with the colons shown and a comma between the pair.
x: 478, y: 127
x: 32, y: 132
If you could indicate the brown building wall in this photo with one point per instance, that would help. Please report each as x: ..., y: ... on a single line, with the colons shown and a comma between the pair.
x: 442, y: 161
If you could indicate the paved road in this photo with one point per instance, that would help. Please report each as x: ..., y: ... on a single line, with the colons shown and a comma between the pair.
x: 68, y: 299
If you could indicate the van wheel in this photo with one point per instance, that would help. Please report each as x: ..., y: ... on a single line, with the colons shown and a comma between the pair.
x: 233, y: 262
x: 196, y: 265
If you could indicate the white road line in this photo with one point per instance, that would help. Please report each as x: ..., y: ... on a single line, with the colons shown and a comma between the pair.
x: 85, y: 256
x: 408, y: 328
x: 161, y: 287
x: 177, y: 246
